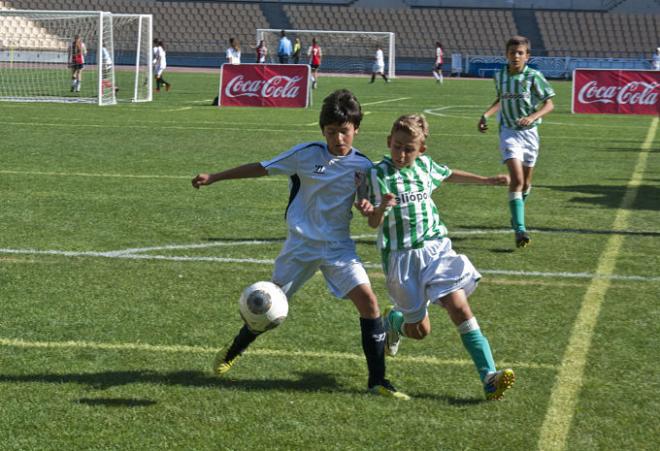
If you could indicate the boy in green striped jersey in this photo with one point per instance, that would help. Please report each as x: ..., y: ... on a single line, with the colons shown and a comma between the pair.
x: 418, y: 260
x: 520, y: 90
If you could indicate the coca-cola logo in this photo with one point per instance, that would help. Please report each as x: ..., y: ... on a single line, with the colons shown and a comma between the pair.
x: 278, y: 86
x: 633, y: 93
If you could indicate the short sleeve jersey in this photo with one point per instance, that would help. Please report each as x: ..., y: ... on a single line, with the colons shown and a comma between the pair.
x: 415, y: 217
x: 520, y: 94
x: 233, y: 56
x: 380, y: 58
x: 438, y: 55
x: 322, y: 189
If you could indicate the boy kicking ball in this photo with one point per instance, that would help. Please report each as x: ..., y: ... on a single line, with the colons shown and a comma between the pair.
x: 520, y: 89
x: 418, y: 260
x: 323, y: 178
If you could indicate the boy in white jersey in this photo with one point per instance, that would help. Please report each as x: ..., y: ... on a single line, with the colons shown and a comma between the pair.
x: 419, y: 263
x: 520, y: 89
x: 323, y: 179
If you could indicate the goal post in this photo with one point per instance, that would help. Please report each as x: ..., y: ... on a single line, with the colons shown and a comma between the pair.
x: 350, y: 52
x: 37, y: 64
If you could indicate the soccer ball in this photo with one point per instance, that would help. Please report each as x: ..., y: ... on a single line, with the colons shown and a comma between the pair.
x: 263, y: 306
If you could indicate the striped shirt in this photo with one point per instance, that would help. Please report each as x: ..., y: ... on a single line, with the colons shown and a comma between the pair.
x: 519, y: 95
x: 415, y: 217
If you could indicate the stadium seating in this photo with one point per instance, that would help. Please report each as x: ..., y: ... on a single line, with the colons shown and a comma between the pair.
x: 205, y: 27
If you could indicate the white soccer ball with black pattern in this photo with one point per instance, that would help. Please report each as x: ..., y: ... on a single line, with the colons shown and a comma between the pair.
x: 263, y: 306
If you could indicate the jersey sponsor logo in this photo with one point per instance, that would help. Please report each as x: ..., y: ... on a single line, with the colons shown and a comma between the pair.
x: 411, y: 197
x: 516, y: 95
x: 276, y: 86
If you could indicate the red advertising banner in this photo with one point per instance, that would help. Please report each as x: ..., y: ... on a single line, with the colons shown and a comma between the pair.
x: 616, y: 91
x: 266, y: 85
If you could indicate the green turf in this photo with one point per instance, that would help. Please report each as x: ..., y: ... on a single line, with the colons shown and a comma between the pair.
x: 88, y: 179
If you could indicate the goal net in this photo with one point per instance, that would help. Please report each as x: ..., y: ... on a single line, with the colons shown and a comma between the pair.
x: 351, y: 52
x: 40, y: 61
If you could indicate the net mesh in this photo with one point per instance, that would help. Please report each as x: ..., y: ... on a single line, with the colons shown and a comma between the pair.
x: 37, y: 60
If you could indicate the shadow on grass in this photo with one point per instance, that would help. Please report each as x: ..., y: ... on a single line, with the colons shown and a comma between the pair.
x: 611, y: 196
x: 306, y: 382
x: 533, y: 228
x: 116, y: 402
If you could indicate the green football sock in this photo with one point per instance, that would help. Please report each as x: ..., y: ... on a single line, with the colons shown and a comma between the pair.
x: 395, y: 318
x: 479, y: 349
x: 517, y: 207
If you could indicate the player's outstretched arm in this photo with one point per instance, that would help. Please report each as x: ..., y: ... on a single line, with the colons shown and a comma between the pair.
x: 250, y: 170
x: 458, y: 176
x: 375, y: 215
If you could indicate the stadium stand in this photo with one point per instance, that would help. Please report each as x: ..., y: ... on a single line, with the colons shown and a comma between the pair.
x: 200, y: 30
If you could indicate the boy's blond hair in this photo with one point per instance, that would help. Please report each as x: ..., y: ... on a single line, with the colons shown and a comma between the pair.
x: 414, y: 124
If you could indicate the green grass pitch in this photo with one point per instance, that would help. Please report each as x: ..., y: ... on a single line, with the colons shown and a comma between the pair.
x: 118, y: 282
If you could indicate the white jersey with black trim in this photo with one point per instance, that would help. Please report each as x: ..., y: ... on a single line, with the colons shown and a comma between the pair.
x: 322, y: 189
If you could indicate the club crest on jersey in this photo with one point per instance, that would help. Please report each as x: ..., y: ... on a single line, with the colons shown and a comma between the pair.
x: 319, y: 169
x: 406, y: 198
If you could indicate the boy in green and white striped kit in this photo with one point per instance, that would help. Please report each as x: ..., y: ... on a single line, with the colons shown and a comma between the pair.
x: 520, y: 90
x: 419, y: 263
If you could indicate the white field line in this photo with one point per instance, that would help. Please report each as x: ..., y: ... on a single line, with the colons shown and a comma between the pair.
x: 128, y: 176
x: 18, y: 343
x: 386, y: 101
x: 138, y: 254
x: 568, y: 384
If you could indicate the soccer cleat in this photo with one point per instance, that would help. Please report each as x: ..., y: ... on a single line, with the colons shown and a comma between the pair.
x: 220, y: 364
x: 497, y: 383
x: 522, y: 238
x: 168, y: 87
x: 392, y: 337
x: 387, y: 390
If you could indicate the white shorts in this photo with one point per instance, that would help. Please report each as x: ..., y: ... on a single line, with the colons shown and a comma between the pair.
x: 158, y: 70
x: 417, y: 277
x: 378, y: 69
x: 522, y: 145
x: 300, y: 258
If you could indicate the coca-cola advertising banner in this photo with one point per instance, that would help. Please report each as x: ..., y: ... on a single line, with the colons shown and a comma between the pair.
x: 616, y: 91
x: 269, y: 85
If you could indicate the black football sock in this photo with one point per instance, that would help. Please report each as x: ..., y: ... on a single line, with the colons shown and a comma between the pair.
x: 373, y: 345
x: 241, y: 342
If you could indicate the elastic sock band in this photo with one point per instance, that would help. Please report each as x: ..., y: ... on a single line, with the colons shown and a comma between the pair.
x: 468, y: 326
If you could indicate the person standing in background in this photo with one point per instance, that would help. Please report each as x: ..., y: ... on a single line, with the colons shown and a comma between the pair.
x: 160, y: 64
x: 437, y: 68
x: 297, y: 46
x: 262, y: 52
x: 656, y: 59
x: 234, y: 51
x: 315, y: 54
x: 379, y: 66
x: 284, y: 49
x: 77, y: 52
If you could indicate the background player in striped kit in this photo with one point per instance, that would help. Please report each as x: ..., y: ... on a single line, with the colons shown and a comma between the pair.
x: 520, y: 89
x: 323, y: 185
x: 419, y: 263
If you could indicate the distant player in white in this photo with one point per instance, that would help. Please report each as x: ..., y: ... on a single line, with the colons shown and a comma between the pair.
x: 437, y: 67
x: 379, y: 66
x: 160, y: 64
x: 323, y: 183
x: 656, y: 59
x: 233, y: 53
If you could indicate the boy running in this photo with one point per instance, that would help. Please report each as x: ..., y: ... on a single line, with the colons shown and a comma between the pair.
x: 418, y: 260
x: 520, y: 89
x: 323, y: 184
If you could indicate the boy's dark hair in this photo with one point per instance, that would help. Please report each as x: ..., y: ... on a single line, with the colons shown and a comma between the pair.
x: 515, y: 41
x: 340, y: 107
